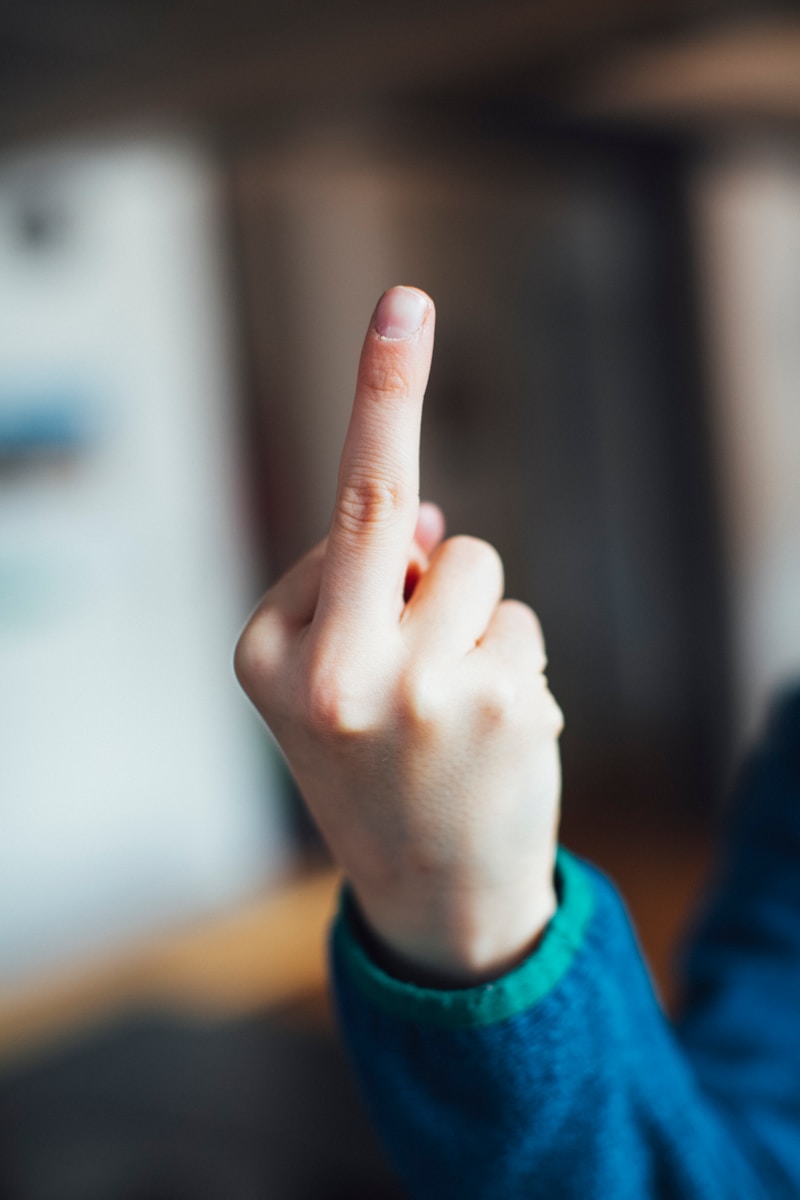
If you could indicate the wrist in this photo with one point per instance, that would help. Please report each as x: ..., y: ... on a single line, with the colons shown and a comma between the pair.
x: 518, y: 991
x: 456, y: 937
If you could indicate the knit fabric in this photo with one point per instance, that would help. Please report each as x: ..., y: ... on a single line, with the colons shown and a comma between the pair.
x: 565, y: 1079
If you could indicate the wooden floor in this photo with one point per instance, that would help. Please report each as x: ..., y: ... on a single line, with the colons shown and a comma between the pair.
x: 268, y: 954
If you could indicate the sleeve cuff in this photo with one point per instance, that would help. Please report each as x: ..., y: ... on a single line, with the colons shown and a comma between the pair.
x: 488, y: 1003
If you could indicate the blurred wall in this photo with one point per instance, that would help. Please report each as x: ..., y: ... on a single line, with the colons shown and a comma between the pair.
x: 135, y: 787
x: 747, y: 203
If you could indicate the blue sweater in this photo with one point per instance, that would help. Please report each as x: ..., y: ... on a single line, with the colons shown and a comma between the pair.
x: 565, y: 1079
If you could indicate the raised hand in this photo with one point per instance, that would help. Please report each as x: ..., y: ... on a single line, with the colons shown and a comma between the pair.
x: 415, y: 716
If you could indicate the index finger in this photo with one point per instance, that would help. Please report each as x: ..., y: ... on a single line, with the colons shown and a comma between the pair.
x: 378, y: 492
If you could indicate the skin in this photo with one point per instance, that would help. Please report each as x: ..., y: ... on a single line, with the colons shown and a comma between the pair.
x: 409, y: 697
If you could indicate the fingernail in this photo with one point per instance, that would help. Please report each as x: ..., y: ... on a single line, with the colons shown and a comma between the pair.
x: 400, y: 313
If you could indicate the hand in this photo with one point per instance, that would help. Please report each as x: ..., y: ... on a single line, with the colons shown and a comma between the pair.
x: 419, y: 728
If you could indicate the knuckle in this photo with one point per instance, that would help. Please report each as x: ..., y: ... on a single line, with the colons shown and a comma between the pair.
x: 323, y: 706
x: 556, y: 716
x: 384, y: 376
x: 369, y: 502
x: 474, y: 554
x: 549, y: 710
x: 498, y: 699
x: 422, y: 696
x: 334, y: 705
x: 256, y: 656
x: 527, y: 622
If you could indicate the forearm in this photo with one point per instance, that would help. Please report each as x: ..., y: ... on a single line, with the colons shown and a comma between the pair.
x: 563, y: 1079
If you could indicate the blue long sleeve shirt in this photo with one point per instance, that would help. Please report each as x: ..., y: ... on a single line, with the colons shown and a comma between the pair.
x: 564, y: 1079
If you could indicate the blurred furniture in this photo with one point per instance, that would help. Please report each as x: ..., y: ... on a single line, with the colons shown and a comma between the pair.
x: 269, y: 954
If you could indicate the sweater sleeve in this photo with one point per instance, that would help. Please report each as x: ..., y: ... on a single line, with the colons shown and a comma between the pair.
x: 564, y: 1079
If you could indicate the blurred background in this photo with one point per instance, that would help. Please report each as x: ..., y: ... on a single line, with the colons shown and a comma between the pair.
x: 199, y: 206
